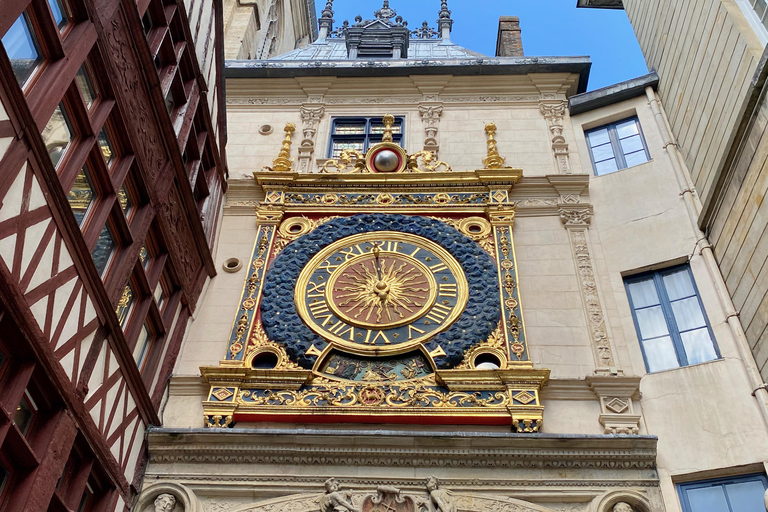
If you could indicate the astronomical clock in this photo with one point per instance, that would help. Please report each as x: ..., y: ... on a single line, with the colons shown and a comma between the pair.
x: 381, y: 290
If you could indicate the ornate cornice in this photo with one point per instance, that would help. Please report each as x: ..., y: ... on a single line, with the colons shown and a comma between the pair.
x: 401, y: 449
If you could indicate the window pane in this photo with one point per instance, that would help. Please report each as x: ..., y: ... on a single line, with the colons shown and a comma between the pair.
x: 3, y: 478
x: 627, y: 128
x: 606, y: 167
x: 159, y: 296
x: 25, y: 413
x: 105, y: 246
x: 637, y: 158
x: 142, y: 346
x: 643, y: 293
x: 350, y: 129
x: 660, y: 353
x: 679, y: 284
x: 602, y: 152
x: 106, y: 147
x: 144, y: 256
x: 598, y: 137
x: 86, y: 498
x: 82, y: 195
x: 652, y: 323
x: 746, y: 496
x: 57, y: 134
x: 379, y: 128
x: 124, y: 305
x: 59, y: 13
x: 21, y: 46
x: 125, y: 200
x: 760, y: 10
x: 85, y: 85
x: 698, y: 346
x: 688, y: 314
x: 631, y: 144
x: 708, y: 499
x: 338, y: 147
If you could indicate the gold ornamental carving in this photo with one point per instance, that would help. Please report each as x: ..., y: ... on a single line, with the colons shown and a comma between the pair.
x: 284, y: 162
x: 493, y: 160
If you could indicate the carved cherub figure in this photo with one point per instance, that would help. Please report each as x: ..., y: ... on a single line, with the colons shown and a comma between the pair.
x: 439, y: 499
x: 336, y: 500
x: 623, y: 507
x: 165, y: 503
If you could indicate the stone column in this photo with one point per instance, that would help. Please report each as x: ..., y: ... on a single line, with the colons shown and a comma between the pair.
x: 576, y: 218
x: 554, y: 113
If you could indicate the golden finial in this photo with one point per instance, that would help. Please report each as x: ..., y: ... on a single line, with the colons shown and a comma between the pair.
x: 283, y: 162
x: 493, y: 160
x: 388, y: 120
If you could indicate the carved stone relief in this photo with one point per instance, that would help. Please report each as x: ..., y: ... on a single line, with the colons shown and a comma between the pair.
x: 310, y: 118
x: 430, y: 115
x: 165, y: 502
x: 554, y: 113
x: 576, y: 221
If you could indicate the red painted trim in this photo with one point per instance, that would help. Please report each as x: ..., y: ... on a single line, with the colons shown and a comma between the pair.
x: 373, y: 419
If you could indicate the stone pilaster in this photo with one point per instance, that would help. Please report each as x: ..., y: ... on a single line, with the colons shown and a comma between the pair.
x: 311, y: 114
x: 554, y: 113
x: 576, y: 218
x: 430, y: 116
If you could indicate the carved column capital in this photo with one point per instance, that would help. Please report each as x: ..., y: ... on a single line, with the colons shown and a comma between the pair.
x: 617, y: 394
x: 576, y: 216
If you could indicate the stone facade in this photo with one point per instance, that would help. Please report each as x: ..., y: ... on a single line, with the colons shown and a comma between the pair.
x: 614, y: 437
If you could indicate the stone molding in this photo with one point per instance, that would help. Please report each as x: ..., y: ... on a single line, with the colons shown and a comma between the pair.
x: 281, y: 447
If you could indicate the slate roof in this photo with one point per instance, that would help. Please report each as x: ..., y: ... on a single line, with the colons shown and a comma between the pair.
x: 418, y: 49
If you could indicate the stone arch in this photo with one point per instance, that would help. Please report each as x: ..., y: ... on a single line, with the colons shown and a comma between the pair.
x: 464, y: 503
x: 186, y: 500
x: 636, y: 499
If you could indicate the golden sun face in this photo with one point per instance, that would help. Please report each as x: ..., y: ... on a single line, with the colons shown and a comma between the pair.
x: 381, y: 292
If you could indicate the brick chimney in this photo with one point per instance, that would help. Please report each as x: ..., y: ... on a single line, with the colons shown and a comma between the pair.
x: 509, y: 42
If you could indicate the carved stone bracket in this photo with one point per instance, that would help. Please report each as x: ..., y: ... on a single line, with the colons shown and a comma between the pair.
x: 617, y: 395
x: 430, y: 116
x: 311, y: 114
x: 554, y: 113
x: 576, y: 218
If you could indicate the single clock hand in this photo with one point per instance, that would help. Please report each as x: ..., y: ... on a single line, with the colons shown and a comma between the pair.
x: 382, y: 288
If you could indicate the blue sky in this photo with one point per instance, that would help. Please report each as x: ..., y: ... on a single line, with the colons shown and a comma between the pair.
x: 550, y: 28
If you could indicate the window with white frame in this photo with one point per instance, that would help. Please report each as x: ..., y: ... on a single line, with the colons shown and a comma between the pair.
x: 616, y: 146
x: 670, y: 319
x: 739, y: 494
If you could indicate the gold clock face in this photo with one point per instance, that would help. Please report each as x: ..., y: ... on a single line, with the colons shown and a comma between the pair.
x: 381, y: 292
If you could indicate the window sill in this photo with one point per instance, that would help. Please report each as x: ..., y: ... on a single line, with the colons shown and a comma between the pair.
x: 620, y: 170
x: 719, y: 359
